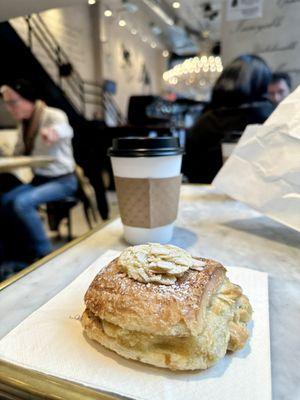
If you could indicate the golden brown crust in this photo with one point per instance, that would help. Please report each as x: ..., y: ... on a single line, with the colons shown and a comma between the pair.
x: 176, y: 310
x: 225, y: 329
x: 185, y: 326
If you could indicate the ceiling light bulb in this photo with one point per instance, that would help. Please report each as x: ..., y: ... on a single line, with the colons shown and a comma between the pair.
x: 91, y: 2
x: 165, y: 53
x: 153, y: 45
x: 176, y: 4
x: 108, y: 13
x: 133, y: 31
x: 144, y: 39
x: 122, y: 23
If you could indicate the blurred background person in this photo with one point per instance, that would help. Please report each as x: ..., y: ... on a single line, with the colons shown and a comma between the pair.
x: 43, y: 131
x: 239, y: 98
x: 280, y: 87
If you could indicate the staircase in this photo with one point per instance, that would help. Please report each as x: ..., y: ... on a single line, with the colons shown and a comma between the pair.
x: 61, y: 86
x: 59, y: 83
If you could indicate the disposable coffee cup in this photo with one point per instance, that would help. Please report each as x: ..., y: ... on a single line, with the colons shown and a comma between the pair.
x: 147, y: 178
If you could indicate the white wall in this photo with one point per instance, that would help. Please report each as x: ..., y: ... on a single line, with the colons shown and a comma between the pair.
x: 14, y: 8
x: 129, y: 75
x: 275, y: 37
x: 72, y: 29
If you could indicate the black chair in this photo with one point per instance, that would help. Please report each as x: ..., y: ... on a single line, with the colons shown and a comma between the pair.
x: 61, y: 209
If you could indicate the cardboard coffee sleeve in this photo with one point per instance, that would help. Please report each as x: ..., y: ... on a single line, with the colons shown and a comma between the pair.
x: 148, y: 202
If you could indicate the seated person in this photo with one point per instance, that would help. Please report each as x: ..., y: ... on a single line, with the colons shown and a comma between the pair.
x: 238, y: 99
x: 43, y: 131
x: 279, y: 88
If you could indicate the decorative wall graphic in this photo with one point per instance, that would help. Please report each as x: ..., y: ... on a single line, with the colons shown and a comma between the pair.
x: 126, y: 63
x: 244, y: 9
x: 126, y: 55
x: 145, y: 76
x: 274, y: 37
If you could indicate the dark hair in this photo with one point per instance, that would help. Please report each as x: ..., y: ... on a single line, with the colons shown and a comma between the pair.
x: 278, y: 76
x: 24, y: 88
x: 244, y: 80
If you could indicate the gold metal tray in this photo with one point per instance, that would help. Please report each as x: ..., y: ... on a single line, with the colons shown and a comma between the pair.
x: 52, y: 255
x: 21, y: 383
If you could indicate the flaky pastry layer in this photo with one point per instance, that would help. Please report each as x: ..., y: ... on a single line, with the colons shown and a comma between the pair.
x: 175, y: 310
x: 224, y: 328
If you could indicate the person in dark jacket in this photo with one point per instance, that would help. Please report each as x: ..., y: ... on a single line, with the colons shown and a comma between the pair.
x: 238, y: 99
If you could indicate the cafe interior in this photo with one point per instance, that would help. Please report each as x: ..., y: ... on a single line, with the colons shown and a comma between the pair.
x: 149, y: 199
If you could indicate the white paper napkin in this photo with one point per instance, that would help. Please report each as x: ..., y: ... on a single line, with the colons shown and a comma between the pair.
x: 51, y: 341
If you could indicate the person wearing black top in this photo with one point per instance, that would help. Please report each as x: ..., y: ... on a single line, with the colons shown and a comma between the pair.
x: 238, y: 99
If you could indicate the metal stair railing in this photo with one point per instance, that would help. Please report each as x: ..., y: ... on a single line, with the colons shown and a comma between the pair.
x: 85, y: 92
x: 94, y: 90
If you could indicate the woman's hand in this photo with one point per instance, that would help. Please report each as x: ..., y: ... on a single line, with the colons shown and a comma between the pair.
x: 49, y: 136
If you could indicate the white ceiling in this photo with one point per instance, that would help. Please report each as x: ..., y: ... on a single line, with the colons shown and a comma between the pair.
x: 197, y: 22
x: 200, y: 15
x: 195, y: 29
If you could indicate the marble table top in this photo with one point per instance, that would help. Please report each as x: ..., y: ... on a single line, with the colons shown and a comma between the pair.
x: 211, y: 225
x: 8, y: 164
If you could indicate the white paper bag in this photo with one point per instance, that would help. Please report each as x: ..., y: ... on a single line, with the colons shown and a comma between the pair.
x: 264, y: 168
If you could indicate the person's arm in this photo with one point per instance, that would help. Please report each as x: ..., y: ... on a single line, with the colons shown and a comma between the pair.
x: 56, y: 127
x: 63, y: 129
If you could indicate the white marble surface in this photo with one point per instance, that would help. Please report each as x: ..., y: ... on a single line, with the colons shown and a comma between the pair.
x: 211, y: 225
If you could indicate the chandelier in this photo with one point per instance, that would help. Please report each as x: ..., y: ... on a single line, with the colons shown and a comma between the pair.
x: 194, y: 73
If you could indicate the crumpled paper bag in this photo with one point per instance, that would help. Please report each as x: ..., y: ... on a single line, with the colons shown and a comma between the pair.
x: 264, y: 169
